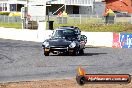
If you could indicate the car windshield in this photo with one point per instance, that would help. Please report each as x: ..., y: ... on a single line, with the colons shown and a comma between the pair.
x: 67, y: 34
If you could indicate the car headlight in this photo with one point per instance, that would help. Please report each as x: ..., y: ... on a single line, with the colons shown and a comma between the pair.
x: 72, y: 45
x: 46, y: 44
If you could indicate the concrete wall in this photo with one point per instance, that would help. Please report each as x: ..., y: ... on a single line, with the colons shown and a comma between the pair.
x: 94, y: 38
x: 99, y: 38
x: 107, y: 39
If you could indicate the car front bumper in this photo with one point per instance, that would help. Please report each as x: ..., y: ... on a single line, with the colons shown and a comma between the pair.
x: 57, y: 50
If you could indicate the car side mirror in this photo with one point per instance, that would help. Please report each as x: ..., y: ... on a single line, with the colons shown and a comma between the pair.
x: 83, y: 38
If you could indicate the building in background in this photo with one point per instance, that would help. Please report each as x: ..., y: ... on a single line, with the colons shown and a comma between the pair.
x: 99, y: 7
x: 70, y: 6
x: 119, y: 5
x: 11, y: 5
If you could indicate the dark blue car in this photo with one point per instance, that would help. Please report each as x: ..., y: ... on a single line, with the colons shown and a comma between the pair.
x: 66, y: 39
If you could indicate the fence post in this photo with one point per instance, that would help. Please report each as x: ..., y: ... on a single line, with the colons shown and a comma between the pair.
x: 74, y: 18
x: 90, y: 16
x: 131, y: 18
x: 115, y: 19
x: 8, y: 19
x: 86, y: 18
x: 62, y: 20
x: 4, y: 18
x: 97, y: 16
x: 80, y: 19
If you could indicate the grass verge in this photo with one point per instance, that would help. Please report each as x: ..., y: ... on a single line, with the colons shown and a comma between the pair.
x: 11, y: 25
x: 84, y: 27
x: 97, y: 27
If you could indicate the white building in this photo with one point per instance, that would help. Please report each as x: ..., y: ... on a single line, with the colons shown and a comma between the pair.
x: 11, y: 5
x: 71, y: 6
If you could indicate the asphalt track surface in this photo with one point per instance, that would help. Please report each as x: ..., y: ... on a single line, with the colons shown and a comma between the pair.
x: 24, y: 61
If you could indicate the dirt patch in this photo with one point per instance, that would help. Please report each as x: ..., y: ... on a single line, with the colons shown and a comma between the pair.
x: 66, y: 83
x: 128, y: 31
x: 128, y: 28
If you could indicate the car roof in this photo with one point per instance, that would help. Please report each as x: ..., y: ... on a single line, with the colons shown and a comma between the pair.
x: 68, y: 27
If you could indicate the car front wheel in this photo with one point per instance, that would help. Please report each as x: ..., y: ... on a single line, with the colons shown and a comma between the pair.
x: 46, y: 53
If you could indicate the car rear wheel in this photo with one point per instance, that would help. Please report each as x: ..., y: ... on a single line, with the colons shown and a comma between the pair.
x: 75, y: 53
x: 81, y: 52
x: 46, y: 53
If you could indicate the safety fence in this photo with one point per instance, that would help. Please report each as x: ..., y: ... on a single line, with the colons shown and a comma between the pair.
x: 10, y: 19
x: 78, y: 19
x: 87, y: 19
x: 70, y: 19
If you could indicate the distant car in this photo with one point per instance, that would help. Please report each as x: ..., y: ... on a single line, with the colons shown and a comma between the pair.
x: 65, y: 39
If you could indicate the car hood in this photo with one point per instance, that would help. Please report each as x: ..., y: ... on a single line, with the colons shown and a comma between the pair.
x: 59, y: 42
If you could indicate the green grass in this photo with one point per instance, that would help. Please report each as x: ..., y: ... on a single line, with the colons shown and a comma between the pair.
x: 91, y: 25
x: 11, y: 25
x: 97, y: 27
x: 84, y: 27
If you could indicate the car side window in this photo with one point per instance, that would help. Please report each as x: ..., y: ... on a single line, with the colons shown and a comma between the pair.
x: 78, y: 31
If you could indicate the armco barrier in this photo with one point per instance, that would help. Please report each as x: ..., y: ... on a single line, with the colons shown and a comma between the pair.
x: 108, y: 39
x: 94, y: 38
x: 122, y: 40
